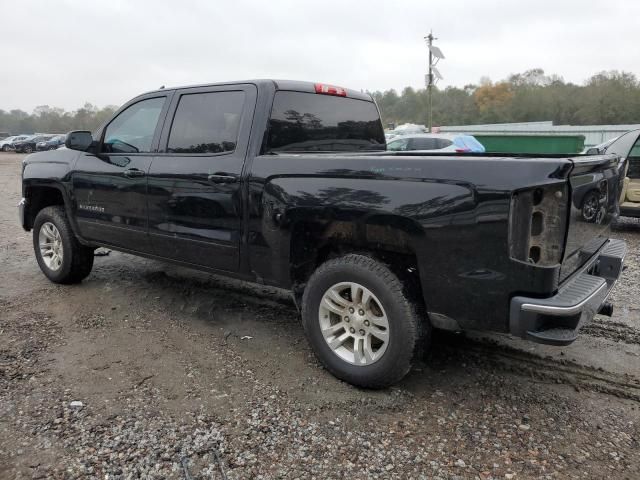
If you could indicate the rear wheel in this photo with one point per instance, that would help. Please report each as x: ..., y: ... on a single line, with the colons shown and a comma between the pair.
x: 361, y: 322
x: 28, y: 149
x: 60, y: 256
x: 591, y: 206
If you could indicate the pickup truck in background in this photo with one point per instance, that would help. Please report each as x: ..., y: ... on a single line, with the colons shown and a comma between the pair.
x: 627, y: 147
x: 288, y: 184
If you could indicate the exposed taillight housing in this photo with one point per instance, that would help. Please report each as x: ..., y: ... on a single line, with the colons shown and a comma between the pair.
x: 325, y: 89
x: 538, y: 224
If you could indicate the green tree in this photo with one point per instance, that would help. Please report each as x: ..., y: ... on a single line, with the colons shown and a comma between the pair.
x: 605, y: 98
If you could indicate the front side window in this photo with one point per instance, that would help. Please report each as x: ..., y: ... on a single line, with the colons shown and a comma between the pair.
x: 303, y: 122
x: 634, y: 161
x: 133, y: 129
x: 206, y: 123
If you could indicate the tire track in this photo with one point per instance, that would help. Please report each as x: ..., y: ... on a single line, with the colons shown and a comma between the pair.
x: 489, y: 354
x: 616, y: 331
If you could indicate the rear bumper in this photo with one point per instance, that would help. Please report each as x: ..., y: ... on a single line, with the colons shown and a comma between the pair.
x: 556, y: 320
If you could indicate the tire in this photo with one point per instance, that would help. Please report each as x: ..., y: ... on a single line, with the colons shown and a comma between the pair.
x: 6, y: 148
x: 379, y: 294
x: 28, y: 149
x: 591, y: 206
x: 73, y: 261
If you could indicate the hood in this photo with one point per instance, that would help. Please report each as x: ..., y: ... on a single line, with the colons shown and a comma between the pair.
x: 61, y: 155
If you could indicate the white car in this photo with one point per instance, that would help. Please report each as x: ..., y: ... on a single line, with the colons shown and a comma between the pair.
x: 5, y: 145
x: 436, y: 142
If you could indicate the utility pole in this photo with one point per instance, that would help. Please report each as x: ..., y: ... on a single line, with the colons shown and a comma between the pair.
x: 434, y: 53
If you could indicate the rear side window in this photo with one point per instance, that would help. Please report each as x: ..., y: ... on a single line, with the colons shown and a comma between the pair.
x: 304, y: 122
x: 206, y: 123
x: 429, y: 143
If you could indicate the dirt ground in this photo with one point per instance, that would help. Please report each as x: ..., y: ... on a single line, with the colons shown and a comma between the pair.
x: 187, y: 375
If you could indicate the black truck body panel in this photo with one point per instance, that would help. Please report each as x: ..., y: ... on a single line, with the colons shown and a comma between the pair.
x: 268, y: 217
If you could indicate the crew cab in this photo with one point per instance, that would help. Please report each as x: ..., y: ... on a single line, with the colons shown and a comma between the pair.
x: 288, y: 184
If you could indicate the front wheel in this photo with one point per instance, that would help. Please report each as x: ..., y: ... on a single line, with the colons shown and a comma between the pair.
x: 6, y: 148
x: 362, y: 323
x: 60, y: 256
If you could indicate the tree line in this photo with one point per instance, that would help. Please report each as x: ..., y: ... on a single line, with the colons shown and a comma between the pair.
x: 46, y: 119
x: 605, y: 98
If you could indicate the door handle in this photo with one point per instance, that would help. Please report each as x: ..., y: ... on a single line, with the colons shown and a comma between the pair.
x: 133, y: 172
x: 220, y: 178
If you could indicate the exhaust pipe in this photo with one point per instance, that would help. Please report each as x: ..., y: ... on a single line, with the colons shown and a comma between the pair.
x: 606, y: 309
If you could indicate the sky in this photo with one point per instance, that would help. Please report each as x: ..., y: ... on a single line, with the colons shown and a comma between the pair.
x: 64, y: 53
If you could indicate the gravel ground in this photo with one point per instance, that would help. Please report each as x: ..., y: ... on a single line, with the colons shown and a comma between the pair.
x: 150, y: 371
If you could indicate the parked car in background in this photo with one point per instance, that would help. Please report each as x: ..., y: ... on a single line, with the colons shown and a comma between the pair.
x: 52, y: 143
x: 6, y: 145
x: 436, y: 142
x: 600, y: 148
x: 28, y: 145
x: 627, y: 147
x: 405, y: 129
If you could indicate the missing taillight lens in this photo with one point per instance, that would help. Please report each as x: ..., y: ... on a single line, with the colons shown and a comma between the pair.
x: 537, y: 225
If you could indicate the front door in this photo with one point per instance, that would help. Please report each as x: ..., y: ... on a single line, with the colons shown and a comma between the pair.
x: 110, y: 187
x: 194, y: 182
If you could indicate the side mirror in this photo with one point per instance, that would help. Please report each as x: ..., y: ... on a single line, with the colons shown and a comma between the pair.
x: 79, y: 140
x: 593, y: 151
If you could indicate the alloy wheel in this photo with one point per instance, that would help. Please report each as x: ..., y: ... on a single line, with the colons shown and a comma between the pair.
x: 354, y: 323
x: 51, y: 248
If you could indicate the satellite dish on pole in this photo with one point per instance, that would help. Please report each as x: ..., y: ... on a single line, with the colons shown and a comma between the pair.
x: 436, y: 73
x: 436, y: 52
x: 435, y: 55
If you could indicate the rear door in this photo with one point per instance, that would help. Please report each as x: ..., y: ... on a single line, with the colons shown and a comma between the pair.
x: 110, y: 187
x: 632, y: 194
x: 628, y: 147
x: 194, y: 183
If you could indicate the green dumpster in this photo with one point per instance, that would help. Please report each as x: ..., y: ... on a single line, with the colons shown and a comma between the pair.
x: 512, y: 143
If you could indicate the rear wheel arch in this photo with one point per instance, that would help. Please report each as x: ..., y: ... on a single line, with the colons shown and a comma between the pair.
x: 337, y: 327
x: 313, y: 243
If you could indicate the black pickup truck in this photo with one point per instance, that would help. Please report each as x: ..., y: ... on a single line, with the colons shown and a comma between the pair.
x: 288, y: 184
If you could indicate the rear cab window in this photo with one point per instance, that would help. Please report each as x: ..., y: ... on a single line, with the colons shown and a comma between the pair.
x: 310, y: 122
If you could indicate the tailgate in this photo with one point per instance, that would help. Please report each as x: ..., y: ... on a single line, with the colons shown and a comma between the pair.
x: 595, y: 185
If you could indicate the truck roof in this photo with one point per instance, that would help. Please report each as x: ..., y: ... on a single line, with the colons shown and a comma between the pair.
x: 291, y: 85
